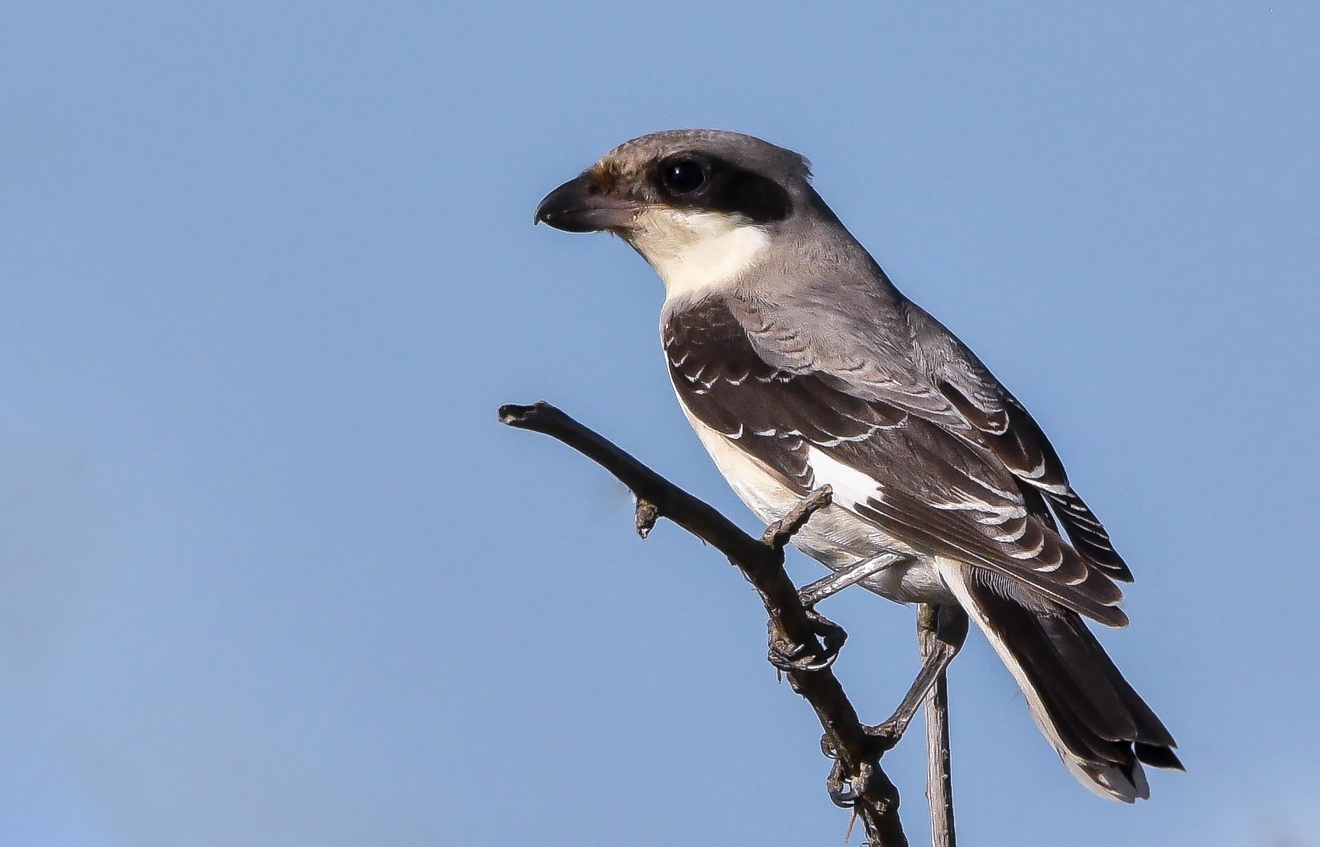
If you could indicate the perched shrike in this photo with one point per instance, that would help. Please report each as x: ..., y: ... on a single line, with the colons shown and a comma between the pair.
x: 799, y: 364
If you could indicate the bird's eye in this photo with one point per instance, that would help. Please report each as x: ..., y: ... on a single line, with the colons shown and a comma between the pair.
x: 683, y: 176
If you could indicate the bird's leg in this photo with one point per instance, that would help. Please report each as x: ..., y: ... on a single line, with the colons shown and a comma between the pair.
x: 813, y: 592
x: 947, y: 639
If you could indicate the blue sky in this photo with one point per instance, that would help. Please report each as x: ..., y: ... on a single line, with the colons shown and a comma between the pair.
x: 271, y: 574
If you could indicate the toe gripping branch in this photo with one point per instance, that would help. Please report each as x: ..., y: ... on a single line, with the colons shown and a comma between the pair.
x: 788, y: 654
x: 803, y: 643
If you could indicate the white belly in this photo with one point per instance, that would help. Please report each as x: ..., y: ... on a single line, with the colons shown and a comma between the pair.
x: 835, y: 536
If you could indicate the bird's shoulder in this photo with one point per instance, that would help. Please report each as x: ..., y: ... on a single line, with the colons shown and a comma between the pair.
x: 861, y: 348
x: 741, y: 371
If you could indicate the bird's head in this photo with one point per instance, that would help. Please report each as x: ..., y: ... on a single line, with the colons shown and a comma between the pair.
x: 701, y: 206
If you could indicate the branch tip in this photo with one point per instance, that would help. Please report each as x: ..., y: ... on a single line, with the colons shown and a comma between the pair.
x: 516, y: 415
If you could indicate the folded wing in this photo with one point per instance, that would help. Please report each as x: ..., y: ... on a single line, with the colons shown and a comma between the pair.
x: 951, y: 476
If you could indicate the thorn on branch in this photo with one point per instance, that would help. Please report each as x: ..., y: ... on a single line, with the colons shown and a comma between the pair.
x: 647, y: 515
x: 779, y: 533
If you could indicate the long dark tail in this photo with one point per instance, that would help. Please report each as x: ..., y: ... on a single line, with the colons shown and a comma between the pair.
x: 1099, y: 726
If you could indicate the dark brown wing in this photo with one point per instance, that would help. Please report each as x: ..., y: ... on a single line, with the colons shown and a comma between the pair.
x: 935, y: 490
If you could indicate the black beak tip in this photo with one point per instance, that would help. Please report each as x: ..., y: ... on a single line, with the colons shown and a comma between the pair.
x: 543, y: 214
x: 563, y: 200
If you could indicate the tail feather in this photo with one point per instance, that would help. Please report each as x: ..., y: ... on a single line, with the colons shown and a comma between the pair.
x: 1100, y: 727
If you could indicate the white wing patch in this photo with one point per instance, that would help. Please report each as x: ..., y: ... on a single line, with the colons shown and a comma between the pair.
x: 850, y: 485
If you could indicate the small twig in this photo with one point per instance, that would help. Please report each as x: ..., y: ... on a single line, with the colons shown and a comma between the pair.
x: 856, y: 781
x: 778, y: 534
x: 698, y: 518
x: 939, y: 777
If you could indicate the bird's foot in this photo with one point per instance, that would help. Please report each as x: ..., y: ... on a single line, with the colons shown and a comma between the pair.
x: 788, y: 656
x: 844, y: 788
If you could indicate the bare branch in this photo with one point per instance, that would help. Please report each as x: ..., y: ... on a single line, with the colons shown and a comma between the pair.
x: 856, y: 781
x: 698, y: 518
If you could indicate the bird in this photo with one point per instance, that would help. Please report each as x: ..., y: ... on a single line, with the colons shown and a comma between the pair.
x: 799, y: 364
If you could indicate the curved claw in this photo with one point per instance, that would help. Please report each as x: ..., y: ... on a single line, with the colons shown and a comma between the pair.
x: 787, y: 656
x: 840, y: 788
x: 828, y: 748
x: 845, y: 790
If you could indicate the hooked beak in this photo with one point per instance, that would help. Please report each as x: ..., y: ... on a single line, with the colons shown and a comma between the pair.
x: 583, y: 205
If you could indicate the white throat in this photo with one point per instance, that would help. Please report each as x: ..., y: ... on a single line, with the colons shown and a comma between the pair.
x: 696, y: 252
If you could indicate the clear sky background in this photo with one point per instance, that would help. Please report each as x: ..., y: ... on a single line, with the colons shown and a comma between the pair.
x: 272, y: 574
